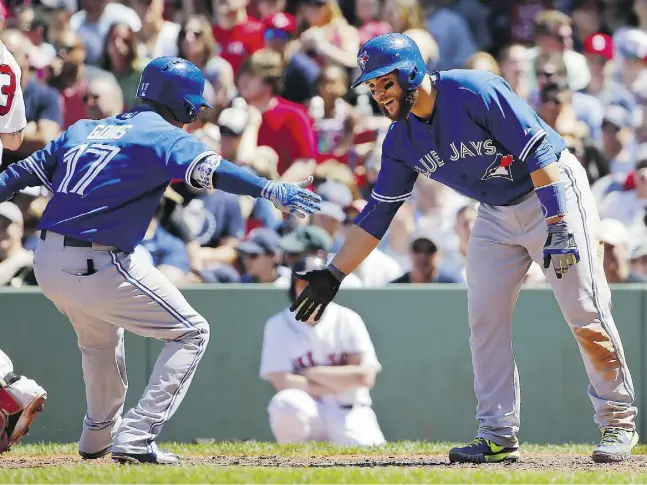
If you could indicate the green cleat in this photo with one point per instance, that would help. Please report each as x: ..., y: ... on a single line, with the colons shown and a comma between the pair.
x: 482, y: 450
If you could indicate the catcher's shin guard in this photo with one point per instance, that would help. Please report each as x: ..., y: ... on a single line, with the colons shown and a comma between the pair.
x: 21, y: 399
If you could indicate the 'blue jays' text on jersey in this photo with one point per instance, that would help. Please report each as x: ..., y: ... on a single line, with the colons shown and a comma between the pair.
x: 482, y: 140
x: 107, y: 177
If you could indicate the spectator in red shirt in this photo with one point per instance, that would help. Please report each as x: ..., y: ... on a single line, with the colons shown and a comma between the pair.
x: 238, y: 34
x: 286, y: 127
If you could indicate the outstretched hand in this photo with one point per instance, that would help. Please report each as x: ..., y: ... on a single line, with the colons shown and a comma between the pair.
x: 321, y: 290
x: 292, y: 197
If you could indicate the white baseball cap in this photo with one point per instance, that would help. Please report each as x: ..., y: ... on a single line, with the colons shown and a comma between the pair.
x: 11, y: 212
x: 613, y: 232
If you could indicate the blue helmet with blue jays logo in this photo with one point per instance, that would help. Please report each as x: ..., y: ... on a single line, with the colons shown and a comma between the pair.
x: 391, y: 52
x: 175, y: 83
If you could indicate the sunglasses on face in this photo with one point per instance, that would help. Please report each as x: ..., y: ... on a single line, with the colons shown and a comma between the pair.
x: 89, y: 96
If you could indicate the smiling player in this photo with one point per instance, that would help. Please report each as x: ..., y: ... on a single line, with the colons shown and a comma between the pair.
x: 470, y: 131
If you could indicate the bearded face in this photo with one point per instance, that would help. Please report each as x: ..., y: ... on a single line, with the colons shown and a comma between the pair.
x: 394, y: 102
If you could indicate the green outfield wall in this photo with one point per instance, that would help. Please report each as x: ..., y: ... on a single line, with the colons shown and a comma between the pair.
x: 421, y: 337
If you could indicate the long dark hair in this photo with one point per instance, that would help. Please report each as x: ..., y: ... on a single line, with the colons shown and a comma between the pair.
x: 133, y: 55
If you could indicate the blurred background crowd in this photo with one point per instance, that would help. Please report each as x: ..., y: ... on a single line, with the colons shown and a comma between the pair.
x: 278, y: 74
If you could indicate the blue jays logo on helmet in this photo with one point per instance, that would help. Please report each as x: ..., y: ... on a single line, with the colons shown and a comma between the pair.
x: 392, y: 52
x: 362, y: 59
x: 175, y: 83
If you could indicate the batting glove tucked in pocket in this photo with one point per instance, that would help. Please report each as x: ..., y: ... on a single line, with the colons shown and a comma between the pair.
x: 560, y: 248
x: 292, y: 198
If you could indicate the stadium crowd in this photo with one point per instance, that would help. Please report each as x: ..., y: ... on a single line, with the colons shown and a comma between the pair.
x: 278, y: 75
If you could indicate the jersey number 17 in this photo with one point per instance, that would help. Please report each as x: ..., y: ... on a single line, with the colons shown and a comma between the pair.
x: 90, y: 159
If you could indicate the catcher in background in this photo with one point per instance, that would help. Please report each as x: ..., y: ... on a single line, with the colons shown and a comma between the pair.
x: 21, y: 399
x: 322, y: 372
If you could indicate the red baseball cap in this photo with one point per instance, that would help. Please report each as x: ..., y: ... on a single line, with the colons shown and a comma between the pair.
x: 281, y: 21
x: 600, y: 44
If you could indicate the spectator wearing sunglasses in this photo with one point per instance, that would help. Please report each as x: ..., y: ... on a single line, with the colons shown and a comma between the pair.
x: 197, y: 44
x: 70, y: 75
x: 121, y: 57
x: 261, y: 256
x: 103, y: 99
x: 553, y: 33
x: 426, y: 259
x: 551, y: 68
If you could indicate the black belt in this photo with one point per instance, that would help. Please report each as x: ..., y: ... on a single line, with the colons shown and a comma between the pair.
x: 68, y: 241
x: 351, y: 406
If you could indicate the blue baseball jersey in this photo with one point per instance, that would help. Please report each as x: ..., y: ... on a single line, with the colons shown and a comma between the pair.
x: 482, y: 140
x: 107, y: 177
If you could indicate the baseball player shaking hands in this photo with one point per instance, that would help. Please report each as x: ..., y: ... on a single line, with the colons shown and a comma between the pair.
x: 470, y: 131
x: 107, y: 178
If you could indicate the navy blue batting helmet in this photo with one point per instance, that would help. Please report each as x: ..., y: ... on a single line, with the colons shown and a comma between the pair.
x: 177, y: 84
x: 391, y: 52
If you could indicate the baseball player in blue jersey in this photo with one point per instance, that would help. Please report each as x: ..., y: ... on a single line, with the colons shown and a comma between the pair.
x: 107, y: 178
x: 468, y: 130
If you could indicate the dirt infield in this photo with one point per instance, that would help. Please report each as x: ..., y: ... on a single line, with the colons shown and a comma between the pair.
x: 528, y: 462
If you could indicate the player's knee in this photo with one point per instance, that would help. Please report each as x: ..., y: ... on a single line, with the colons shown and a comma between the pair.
x: 204, y: 332
x: 291, y: 412
x: 200, y: 333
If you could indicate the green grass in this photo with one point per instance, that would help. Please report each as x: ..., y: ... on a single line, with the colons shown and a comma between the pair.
x: 71, y: 470
x: 205, y: 474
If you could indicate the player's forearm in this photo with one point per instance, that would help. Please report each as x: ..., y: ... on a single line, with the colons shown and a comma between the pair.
x: 230, y: 178
x: 550, y: 190
x: 12, y: 141
x: 356, y: 248
x: 341, y: 377
x: 295, y: 381
x: 18, y: 176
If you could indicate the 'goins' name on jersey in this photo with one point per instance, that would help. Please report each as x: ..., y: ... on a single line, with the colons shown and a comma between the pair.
x: 107, y: 177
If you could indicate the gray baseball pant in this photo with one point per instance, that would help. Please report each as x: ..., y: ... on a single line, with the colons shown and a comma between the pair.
x: 503, y: 243
x: 122, y: 294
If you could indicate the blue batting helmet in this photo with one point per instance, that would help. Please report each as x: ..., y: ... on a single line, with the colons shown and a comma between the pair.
x: 391, y: 52
x: 177, y: 84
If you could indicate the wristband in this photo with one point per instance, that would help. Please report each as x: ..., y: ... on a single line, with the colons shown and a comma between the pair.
x: 336, y: 273
x: 552, y: 199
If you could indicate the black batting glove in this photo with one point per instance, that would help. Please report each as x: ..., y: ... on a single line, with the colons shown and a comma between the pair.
x: 322, y: 287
